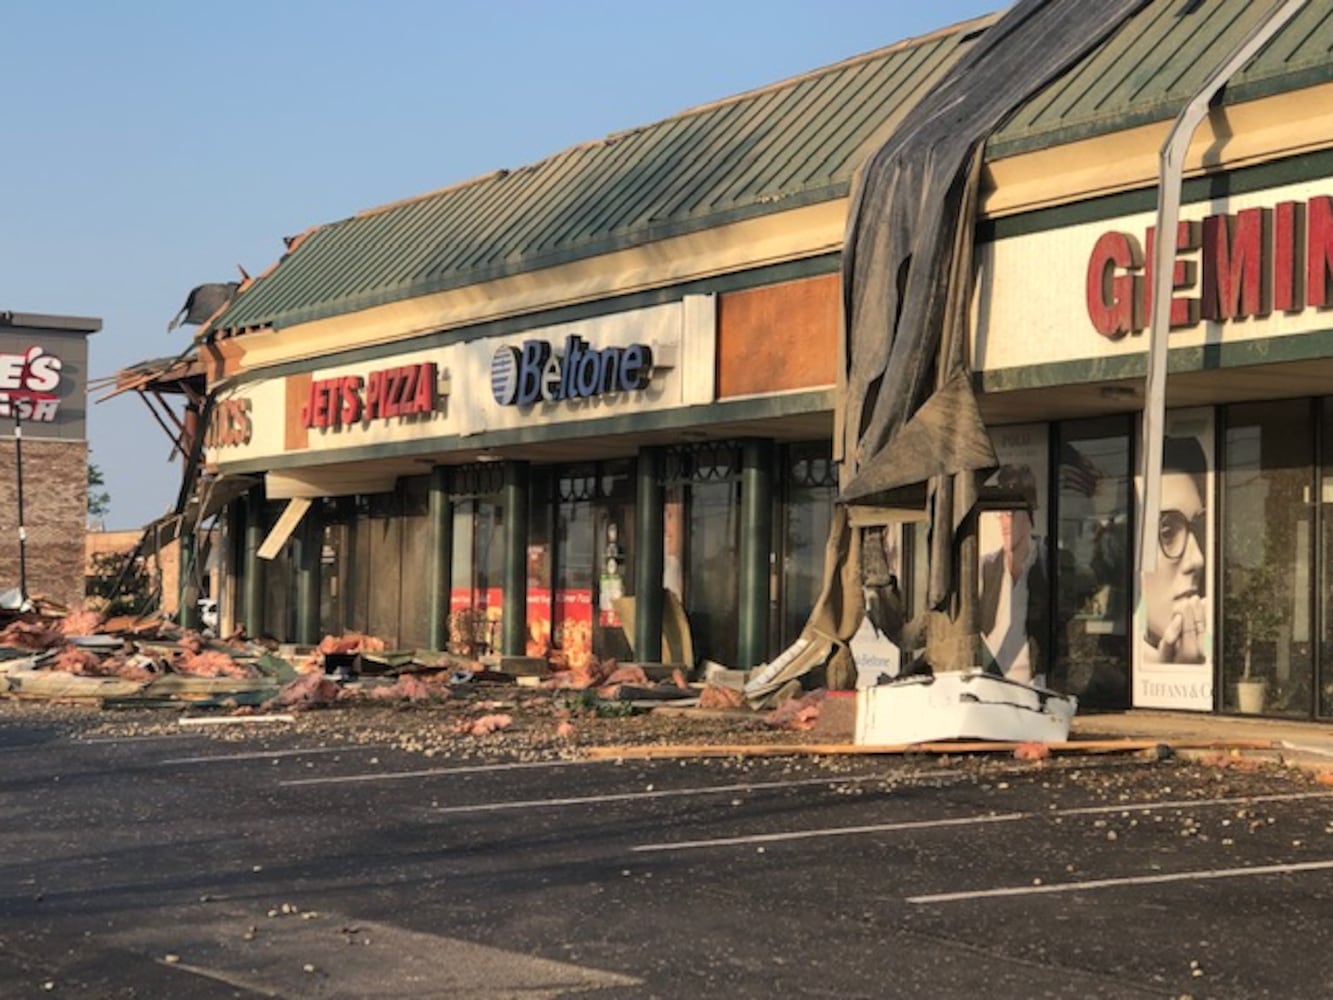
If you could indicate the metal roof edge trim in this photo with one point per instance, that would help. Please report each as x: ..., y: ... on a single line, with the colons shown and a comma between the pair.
x: 50, y: 321
x: 800, y: 402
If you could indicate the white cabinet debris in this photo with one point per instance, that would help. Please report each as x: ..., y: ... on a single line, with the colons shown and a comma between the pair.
x: 958, y: 705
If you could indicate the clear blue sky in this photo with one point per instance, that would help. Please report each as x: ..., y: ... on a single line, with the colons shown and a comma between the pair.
x: 153, y: 146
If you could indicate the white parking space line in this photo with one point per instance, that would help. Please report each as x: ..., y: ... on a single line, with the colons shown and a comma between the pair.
x: 1111, y: 883
x: 1185, y: 804
x: 435, y: 771
x: 156, y: 738
x: 663, y: 793
x: 262, y: 755
x: 836, y: 831
x: 843, y: 831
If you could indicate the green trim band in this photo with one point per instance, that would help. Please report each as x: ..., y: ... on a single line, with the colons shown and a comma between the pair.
x: 1180, y: 360
x: 754, y: 409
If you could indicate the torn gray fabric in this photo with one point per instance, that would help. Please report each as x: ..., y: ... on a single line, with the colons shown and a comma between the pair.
x: 202, y: 302
x: 910, y: 412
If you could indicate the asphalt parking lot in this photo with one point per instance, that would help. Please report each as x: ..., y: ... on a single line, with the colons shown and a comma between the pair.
x: 284, y: 865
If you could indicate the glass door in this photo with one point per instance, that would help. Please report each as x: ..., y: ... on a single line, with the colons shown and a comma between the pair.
x: 614, y: 522
x: 593, y: 562
x: 572, y: 607
x: 477, y: 600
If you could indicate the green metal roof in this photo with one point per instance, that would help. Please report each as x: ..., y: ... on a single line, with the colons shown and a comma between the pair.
x: 1159, y: 59
x: 790, y: 144
x: 794, y: 143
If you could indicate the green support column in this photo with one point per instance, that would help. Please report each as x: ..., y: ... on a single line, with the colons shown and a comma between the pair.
x: 252, y: 567
x: 514, y: 640
x: 648, y: 558
x: 189, y: 588
x: 441, y: 557
x: 756, y: 552
x: 309, y: 544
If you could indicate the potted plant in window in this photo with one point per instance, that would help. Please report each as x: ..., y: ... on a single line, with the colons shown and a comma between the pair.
x: 1258, y: 612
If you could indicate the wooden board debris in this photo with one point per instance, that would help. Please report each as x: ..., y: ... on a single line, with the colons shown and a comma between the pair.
x: 903, y: 749
x: 234, y: 720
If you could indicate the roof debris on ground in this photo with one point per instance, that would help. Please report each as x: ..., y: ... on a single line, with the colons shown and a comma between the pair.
x: 150, y: 674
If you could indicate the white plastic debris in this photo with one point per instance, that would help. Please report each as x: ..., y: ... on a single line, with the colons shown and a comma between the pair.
x: 956, y: 705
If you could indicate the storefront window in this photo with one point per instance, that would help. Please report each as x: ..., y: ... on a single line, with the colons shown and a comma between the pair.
x: 571, y: 627
x: 712, y: 560
x: 385, y: 533
x: 465, y: 638
x: 477, y: 602
x: 702, y: 497
x: 1093, y: 563
x: 1324, y: 706
x: 1014, y: 577
x: 614, y: 537
x: 594, y: 561
x: 804, y: 523
x: 417, y: 543
x: 541, y: 516
x: 279, y: 589
x: 335, y: 564
x: 1267, y: 662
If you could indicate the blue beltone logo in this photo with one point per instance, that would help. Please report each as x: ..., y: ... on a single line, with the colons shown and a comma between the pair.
x: 521, y: 376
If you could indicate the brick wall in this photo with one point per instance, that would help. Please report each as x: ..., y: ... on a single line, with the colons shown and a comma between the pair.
x: 163, y: 568
x: 55, y: 508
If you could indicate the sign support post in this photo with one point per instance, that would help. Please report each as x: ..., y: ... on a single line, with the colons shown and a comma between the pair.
x: 23, y: 535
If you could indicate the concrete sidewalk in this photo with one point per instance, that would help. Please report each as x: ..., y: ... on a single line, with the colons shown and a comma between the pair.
x: 1304, y: 744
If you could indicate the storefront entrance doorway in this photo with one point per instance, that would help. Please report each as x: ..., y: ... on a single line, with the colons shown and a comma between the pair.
x: 579, y: 574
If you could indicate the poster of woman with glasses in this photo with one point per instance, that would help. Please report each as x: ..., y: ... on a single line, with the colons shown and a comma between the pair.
x: 1173, y: 620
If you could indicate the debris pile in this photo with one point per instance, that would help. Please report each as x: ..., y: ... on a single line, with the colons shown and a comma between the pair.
x: 78, y: 656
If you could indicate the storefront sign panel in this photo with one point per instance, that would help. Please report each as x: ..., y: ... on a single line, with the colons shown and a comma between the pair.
x: 645, y: 360
x: 246, y: 422
x: 636, y: 362
x: 1251, y: 266
x: 408, y: 390
x: 606, y: 366
x: 42, y: 383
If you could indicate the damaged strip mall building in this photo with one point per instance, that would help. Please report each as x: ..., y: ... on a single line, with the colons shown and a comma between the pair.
x: 598, y: 406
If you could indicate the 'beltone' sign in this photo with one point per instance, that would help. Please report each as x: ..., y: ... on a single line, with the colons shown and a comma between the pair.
x: 521, y: 376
